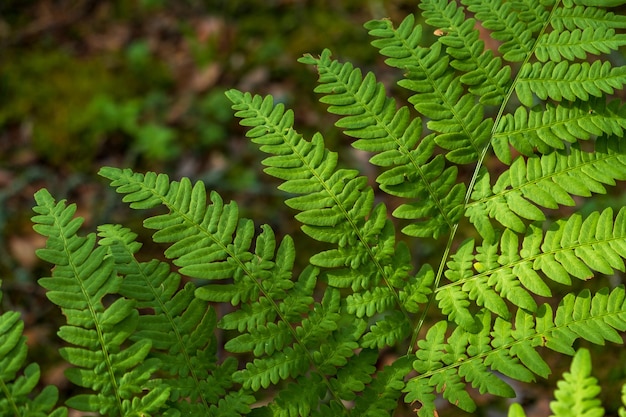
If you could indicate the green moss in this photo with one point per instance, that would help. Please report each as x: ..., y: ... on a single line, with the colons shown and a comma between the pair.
x: 53, y: 92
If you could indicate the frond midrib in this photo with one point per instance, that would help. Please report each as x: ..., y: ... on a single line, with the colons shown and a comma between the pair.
x: 103, y: 346
x: 532, y: 258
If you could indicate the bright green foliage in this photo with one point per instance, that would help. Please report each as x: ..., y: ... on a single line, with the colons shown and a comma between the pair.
x: 372, y: 118
x: 309, y: 340
x: 180, y: 327
x: 577, y: 392
x: 16, y: 391
x: 83, y: 276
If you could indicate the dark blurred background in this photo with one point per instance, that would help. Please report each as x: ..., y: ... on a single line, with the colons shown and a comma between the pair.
x: 140, y: 84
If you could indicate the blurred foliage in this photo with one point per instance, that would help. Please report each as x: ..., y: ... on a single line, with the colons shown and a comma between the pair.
x: 145, y: 75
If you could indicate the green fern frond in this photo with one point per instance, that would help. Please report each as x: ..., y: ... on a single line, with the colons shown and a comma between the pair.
x: 286, y: 344
x: 335, y: 204
x: 568, y: 81
x: 482, y: 71
x: 19, y: 382
x: 413, y: 173
x: 208, y: 241
x: 512, y: 23
x: 576, y: 44
x: 578, y: 391
x: 117, y: 372
x: 581, y: 17
x: 551, y: 127
x: 308, y: 341
x: 548, y: 181
x: 299, y: 398
x: 576, y: 394
x: 570, y: 248
x: 443, y: 362
x: 381, y: 396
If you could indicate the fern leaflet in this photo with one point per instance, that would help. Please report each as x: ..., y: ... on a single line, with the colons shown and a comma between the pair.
x: 16, y: 390
x: 83, y: 276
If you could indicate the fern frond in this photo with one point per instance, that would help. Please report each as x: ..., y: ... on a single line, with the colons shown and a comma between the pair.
x: 372, y: 117
x: 208, y: 241
x: 483, y: 72
x: 104, y: 362
x: 355, y: 375
x: 277, y: 324
x: 299, y: 398
x: 455, y: 117
x: 446, y: 364
x: 578, y: 391
x: 335, y: 204
x: 17, y: 381
x: 180, y: 327
x: 381, y: 396
x: 570, y: 248
x: 548, y: 181
x: 568, y: 81
x: 581, y: 17
x: 551, y: 127
x: 576, y: 44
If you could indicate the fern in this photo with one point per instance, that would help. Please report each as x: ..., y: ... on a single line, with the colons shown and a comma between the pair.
x: 83, y: 276
x: 577, y: 392
x: 15, y: 392
x: 142, y: 337
x: 180, y: 328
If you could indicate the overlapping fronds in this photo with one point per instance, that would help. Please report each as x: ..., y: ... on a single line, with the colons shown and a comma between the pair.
x: 208, y: 239
x: 308, y: 342
x: 414, y: 173
x: 445, y: 362
x: 514, y: 24
x: 479, y: 68
x: 279, y: 321
x: 17, y: 381
x: 546, y: 181
x: 456, y: 118
x: 570, y: 74
x: 574, y: 247
x: 180, y: 325
x: 104, y: 361
x: 335, y: 206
